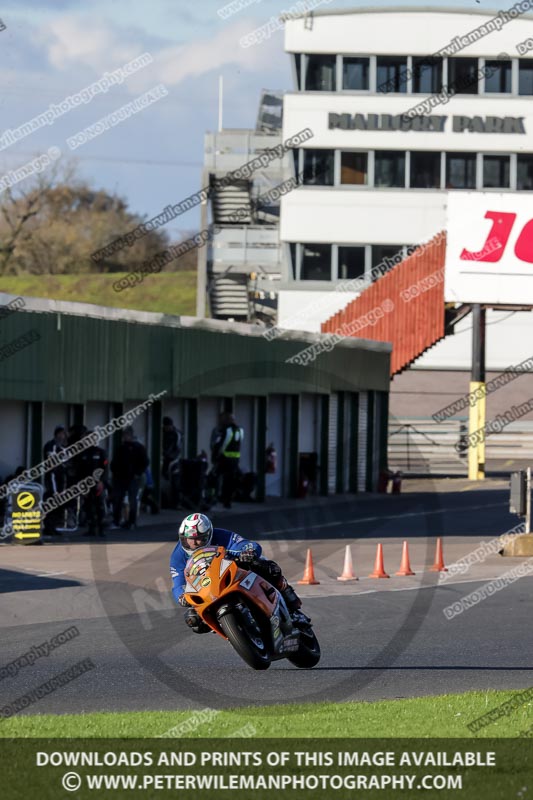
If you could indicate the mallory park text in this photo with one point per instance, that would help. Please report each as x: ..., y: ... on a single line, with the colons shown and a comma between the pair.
x: 435, y: 123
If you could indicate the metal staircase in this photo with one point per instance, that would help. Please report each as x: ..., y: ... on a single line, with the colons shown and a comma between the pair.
x: 232, y: 203
x: 228, y: 296
x: 244, y: 257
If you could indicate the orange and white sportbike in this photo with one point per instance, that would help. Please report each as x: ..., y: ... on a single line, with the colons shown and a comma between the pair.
x: 247, y: 610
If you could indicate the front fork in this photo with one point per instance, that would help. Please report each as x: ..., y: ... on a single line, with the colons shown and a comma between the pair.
x: 282, y: 611
x: 279, y: 625
x: 227, y: 608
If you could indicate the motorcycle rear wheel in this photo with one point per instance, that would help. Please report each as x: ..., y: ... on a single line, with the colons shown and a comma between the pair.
x: 234, y: 627
x: 308, y: 654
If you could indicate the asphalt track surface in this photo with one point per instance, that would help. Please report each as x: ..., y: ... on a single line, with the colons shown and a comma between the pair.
x: 380, y: 639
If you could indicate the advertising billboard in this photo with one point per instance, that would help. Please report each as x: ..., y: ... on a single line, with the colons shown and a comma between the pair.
x: 489, y: 254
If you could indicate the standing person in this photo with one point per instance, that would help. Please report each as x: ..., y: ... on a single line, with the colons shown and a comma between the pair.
x: 128, y: 464
x: 217, y: 435
x: 74, y: 473
x: 228, y: 453
x: 213, y: 476
x: 89, y: 460
x: 172, y: 439
x: 55, y: 480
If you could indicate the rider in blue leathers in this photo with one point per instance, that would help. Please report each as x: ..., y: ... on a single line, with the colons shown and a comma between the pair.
x: 196, y: 531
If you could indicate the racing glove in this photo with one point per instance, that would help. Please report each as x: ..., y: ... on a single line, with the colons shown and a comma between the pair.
x: 182, y: 601
x: 248, y: 554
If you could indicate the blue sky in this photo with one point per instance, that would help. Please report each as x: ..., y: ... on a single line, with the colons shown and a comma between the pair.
x: 53, y: 48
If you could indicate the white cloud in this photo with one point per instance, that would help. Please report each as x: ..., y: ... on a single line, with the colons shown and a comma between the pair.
x: 175, y: 64
x: 72, y: 41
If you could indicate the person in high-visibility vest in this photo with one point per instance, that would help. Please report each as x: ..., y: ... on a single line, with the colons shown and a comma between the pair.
x: 228, y: 452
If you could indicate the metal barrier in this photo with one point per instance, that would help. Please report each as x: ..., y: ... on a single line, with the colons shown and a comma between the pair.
x: 421, y: 446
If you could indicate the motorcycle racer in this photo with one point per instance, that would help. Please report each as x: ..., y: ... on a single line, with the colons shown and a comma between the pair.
x: 197, y: 531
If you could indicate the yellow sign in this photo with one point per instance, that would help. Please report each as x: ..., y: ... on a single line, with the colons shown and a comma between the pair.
x: 25, y: 500
x: 26, y: 516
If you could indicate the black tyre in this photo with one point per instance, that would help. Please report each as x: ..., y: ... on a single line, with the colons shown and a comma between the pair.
x: 246, y: 637
x: 308, y: 654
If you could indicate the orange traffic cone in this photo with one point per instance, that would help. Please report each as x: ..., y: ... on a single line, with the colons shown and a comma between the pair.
x: 347, y: 571
x: 405, y: 566
x: 309, y: 572
x: 438, y: 566
x: 379, y: 569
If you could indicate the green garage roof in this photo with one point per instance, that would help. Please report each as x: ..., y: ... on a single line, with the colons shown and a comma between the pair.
x: 83, y: 352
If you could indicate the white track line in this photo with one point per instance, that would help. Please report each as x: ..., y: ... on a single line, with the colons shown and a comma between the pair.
x: 357, y: 520
x: 384, y: 589
x: 49, y: 574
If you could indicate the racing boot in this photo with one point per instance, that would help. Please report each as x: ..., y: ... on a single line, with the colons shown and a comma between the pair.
x: 294, y: 604
x: 278, y: 580
x: 292, y: 601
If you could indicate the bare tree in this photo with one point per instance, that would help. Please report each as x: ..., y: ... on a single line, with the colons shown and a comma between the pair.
x: 53, y: 225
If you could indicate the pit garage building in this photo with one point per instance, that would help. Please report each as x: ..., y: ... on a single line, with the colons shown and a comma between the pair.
x: 87, y: 364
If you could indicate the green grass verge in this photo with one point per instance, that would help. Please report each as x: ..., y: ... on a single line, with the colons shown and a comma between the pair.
x: 167, y: 292
x: 428, y: 717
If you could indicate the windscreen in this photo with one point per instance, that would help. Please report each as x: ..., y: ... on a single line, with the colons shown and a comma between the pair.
x: 198, y: 564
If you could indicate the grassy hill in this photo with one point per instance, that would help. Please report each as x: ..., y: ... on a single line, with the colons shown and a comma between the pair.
x: 167, y: 292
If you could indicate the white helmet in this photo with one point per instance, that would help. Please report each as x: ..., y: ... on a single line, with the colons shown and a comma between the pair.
x: 198, y: 528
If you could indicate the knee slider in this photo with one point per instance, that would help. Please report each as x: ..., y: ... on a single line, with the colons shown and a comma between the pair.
x: 192, y: 619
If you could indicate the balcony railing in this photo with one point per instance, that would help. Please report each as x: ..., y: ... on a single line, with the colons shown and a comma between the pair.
x: 247, y: 247
x: 228, y: 150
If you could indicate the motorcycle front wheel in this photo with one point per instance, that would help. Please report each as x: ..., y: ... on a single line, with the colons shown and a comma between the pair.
x: 246, y: 637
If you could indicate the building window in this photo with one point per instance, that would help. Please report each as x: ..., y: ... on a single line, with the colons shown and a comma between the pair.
x: 296, y: 157
x: 425, y: 170
x: 524, y: 181
x: 496, y: 172
x: 318, y: 167
x: 292, y: 254
x: 316, y: 262
x: 463, y: 75
x: 355, y: 72
x: 320, y: 73
x: 390, y: 168
x: 461, y: 170
x: 298, y: 69
x: 498, y: 76
x: 385, y: 257
x: 354, y: 168
x: 392, y: 73
x: 351, y: 263
x: 525, y: 76
x: 427, y: 75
